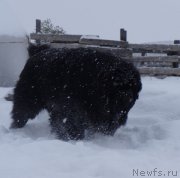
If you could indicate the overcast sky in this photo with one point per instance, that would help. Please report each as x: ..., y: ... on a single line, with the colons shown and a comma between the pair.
x: 144, y: 20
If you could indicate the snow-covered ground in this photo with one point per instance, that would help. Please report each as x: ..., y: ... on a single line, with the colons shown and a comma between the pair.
x: 148, y: 146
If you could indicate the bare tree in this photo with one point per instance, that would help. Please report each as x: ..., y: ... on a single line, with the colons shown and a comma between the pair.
x: 47, y: 27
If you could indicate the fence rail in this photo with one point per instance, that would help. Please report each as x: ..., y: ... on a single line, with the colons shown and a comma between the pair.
x: 100, y: 42
x: 56, y: 38
x: 156, y: 71
x: 119, y: 52
x: 154, y: 48
x: 158, y: 59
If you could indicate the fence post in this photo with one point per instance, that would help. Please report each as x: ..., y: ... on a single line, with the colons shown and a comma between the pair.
x: 38, y: 28
x: 176, y: 64
x: 123, y: 35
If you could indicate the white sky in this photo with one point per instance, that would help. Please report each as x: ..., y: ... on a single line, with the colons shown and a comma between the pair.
x: 144, y: 20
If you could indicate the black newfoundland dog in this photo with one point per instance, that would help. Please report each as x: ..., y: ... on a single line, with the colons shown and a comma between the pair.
x: 82, y: 89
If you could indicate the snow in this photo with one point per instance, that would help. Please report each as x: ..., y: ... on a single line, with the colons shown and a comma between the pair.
x: 149, y: 143
x: 89, y: 37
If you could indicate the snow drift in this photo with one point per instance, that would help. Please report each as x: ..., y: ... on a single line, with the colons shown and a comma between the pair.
x: 148, y: 143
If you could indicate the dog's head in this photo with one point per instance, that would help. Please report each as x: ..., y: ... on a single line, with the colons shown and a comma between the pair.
x: 121, y: 87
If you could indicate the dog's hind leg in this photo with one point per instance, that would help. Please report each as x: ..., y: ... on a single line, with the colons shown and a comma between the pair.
x: 67, y: 119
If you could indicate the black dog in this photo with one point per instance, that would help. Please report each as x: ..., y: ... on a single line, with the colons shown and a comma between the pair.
x: 82, y: 89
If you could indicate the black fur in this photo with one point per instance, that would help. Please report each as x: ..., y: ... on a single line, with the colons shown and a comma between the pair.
x: 82, y: 89
x: 36, y: 48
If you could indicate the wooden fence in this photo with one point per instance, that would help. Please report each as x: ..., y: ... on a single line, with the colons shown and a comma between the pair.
x: 150, y: 59
x: 156, y: 59
x: 118, y: 48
